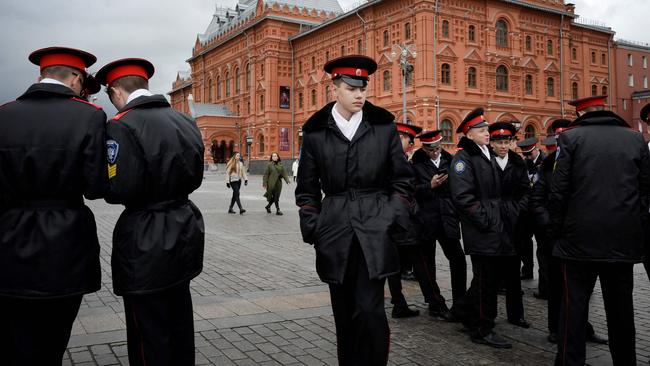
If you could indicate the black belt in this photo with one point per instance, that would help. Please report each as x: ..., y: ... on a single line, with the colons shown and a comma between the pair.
x: 48, y: 204
x: 354, y: 193
x: 158, y: 206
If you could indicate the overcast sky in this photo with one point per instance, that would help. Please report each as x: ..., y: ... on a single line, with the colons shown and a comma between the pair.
x: 164, y: 31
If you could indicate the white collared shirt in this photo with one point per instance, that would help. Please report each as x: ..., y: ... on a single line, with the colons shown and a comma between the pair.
x: 52, y: 81
x: 436, y: 162
x: 502, y: 161
x: 138, y: 93
x: 348, y: 128
x: 485, y: 150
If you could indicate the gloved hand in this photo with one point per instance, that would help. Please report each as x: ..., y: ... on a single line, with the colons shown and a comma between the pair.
x: 228, y: 185
x: 245, y: 182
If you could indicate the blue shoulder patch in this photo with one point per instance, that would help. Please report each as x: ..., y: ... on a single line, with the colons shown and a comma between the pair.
x: 112, y: 149
x: 459, y: 167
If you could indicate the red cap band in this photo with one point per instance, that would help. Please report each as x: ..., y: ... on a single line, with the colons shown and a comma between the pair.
x: 501, y: 132
x: 475, y: 121
x: 551, y: 147
x: 529, y: 148
x: 560, y: 129
x: 431, y: 140
x: 351, y: 71
x: 595, y: 102
x: 405, y: 129
x: 126, y: 70
x: 62, y: 59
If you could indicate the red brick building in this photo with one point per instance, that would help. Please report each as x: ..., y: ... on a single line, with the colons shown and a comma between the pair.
x: 632, y: 60
x: 256, y: 73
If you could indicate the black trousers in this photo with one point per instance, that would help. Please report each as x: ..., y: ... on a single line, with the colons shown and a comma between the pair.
x: 160, y: 327
x: 544, y: 257
x: 362, y: 333
x: 34, y: 331
x: 421, y: 257
x: 478, y: 308
x: 616, y: 282
x: 453, y: 250
x: 236, y: 186
x: 524, y: 241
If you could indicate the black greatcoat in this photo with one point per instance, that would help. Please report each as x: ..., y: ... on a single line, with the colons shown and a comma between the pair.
x: 434, y: 205
x: 51, y: 155
x: 158, y: 240
x: 600, y: 221
x: 368, y: 187
x: 515, y: 191
x: 476, y: 194
x: 539, y: 195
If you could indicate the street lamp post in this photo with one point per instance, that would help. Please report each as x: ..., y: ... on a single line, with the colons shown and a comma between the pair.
x: 249, y: 142
x: 404, y: 51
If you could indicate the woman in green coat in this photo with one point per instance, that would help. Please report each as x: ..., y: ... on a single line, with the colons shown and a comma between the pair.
x: 272, y: 182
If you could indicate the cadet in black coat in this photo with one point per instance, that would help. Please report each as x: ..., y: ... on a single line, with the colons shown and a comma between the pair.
x: 599, y: 193
x: 440, y: 222
x: 476, y: 194
x: 51, y: 156
x: 155, y: 160
x: 352, y: 154
x: 515, y: 189
x: 645, y: 117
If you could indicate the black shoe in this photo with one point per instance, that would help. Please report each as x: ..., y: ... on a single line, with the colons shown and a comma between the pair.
x: 241, y: 211
x: 520, y: 323
x: 268, y: 209
x: 595, y: 338
x: 408, y: 276
x: 279, y: 213
x: 231, y: 211
x: 492, y: 340
x: 552, y: 338
x: 404, y: 311
x: 540, y: 295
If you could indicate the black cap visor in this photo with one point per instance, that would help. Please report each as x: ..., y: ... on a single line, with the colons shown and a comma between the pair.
x: 353, y: 81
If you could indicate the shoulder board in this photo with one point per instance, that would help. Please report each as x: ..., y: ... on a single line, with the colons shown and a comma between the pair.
x: 86, y: 102
x: 120, y: 115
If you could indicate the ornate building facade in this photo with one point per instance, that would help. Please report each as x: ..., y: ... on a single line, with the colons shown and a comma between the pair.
x: 256, y: 73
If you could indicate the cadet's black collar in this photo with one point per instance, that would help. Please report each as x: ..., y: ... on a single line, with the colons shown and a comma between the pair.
x: 147, y: 101
x: 420, y: 156
x: 599, y: 118
x: 516, y: 159
x: 371, y: 114
x: 40, y: 90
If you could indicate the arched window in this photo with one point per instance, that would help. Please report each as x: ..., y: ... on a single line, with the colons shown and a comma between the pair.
x: 210, y: 91
x: 446, y: 131
x: 529, y: 43
x: 301, y: 100
x: 550, y: 87
x: 445, y: 29
x: 386, y: 39
x: 262, y: 102
x: 248, y: 75
x: 593, y: 57
x: 528, y: 84
x: 502, y: 78
x: 594, y: 90
x: 605, y: 89
x: 407, y: 31
x: 574, y: 54
x: 445, y: 76
x: 327, y: 56
x: 342, y: 50
x: 218, y: 87
x: 387, y: 81
x: 313, y: 62
x: 227, y: 84
x: 471, y: 33
x: 502, y: 33
x: 237, y: 81
x: 471, y: 77
x: 549, y: 47
x: 360, y: 47
x: 260, y: 140
x: 603, y: 59
x: 313, y: 97
x: 299, y: 67
x: 574, y: 90
x: 530, y: 131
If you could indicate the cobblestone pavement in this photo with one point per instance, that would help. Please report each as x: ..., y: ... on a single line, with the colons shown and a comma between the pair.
x: 260, y: 302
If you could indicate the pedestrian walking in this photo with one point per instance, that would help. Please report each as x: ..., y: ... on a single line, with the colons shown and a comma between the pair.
x: 155, y: 160
x: 272, y: 182
x: 431, y: 164
x: 351, y: 152
x: 294, y: 169
x: 52, y: 156
x: 235, y: 174
x: 602, y: 167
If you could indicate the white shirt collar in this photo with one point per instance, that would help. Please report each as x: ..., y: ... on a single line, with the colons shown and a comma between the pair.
x: 437, y: 161
x: 502, y: 161
x: 348, y: 128
x: 484, y: 150
x: 52, y: 81
x: 138, y: 93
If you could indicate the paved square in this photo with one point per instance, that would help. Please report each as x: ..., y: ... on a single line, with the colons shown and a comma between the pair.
x: 260, y: 302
